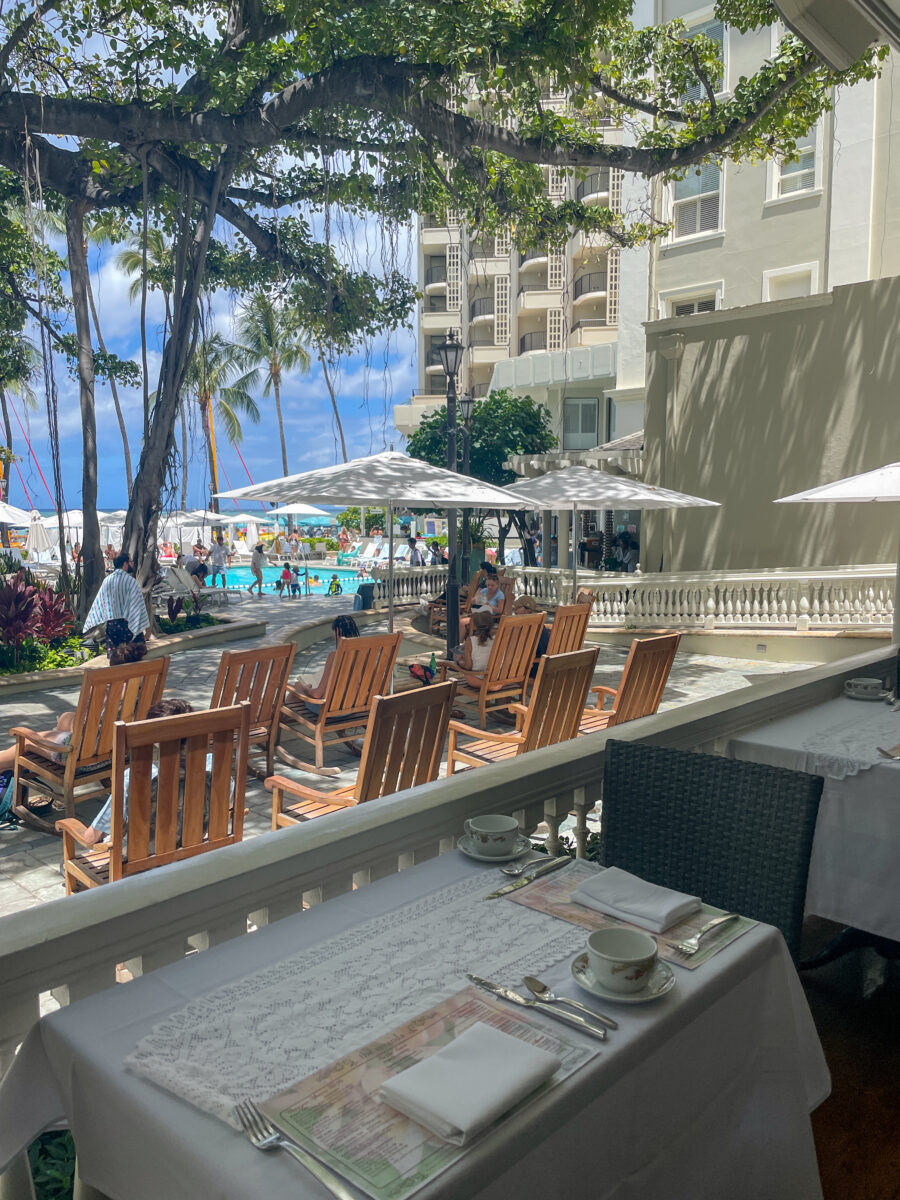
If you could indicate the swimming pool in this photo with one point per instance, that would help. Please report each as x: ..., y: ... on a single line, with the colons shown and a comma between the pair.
x: 242, y: 577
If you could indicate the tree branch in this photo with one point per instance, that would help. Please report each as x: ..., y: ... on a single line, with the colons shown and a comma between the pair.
x: 644, y: 106
x: 21, y: 32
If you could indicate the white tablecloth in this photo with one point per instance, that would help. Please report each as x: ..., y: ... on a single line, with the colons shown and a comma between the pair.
x: 853, y: 874
x: 701, y: 1094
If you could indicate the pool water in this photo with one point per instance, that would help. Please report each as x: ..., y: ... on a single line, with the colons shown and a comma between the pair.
x: 242, y: 577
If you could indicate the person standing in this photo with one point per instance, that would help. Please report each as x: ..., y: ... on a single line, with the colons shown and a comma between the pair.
x: 416, y: 558
x: 257, y: 562
x: 120, y: 605
x: 218, y: 560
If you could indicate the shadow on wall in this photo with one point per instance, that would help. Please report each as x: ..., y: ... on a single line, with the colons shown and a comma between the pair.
x: 777, y: 399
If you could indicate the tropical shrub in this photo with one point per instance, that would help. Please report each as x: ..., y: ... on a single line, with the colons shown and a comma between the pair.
x: 55, y: 619
x: 18, y: 613
x: 174, y: 605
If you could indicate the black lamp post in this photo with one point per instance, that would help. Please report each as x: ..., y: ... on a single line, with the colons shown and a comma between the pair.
x: 466, y: 404
x: 450, y: 353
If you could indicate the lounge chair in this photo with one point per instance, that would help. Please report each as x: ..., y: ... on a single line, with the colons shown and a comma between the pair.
x: 567, y: 633
x: 260, y: 676
x: 191, y: 802
x: 552, y: 715
x: 83, y: 768
x: 403, y: 747
x: 509, y: 665
x: 362, y: 669
x: 180, y: 583
x: 641, y: 685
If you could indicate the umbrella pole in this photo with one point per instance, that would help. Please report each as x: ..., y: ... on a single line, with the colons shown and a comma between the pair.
x: 574, y: 556
x: 895, y: 632
x: 390, y: 517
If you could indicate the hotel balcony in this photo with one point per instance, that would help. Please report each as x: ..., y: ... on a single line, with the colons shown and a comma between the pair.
x: 593, y: 331
x: 594, y: 189
x: 529, y: 259
x: 435, y: 279
x: 433, y: 235
x: 589, y: 287
x: 535, y: 297
x: 407, y: 416
x: 533, y: 343
x: 481, y: 310
x: 437, y: 319
x: 486, y: 353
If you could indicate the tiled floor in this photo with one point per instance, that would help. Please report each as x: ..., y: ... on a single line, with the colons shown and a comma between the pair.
x: 30, y: 861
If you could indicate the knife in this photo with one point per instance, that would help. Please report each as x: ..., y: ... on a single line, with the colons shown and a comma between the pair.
x: 542, y: 870
x: 567, y: 1018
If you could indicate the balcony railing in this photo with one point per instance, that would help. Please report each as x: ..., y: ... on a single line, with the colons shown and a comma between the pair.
x: 436, y: 274
x: 435, y: 385
x: 72, y: 947
x: 594, y: 282
x: 533, y: 341
x: 590, y: 323
x: 479, y: 390
x: 436, y: 304
x: 481, y: 338
x: 539, y: 286
x: 482, y: 249
x: 596, y: 183
x: 481, y: 308
x: 430, y: 222
x: 530, y: 255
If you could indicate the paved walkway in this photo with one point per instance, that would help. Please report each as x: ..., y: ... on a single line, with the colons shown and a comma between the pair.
x: 30, y: 861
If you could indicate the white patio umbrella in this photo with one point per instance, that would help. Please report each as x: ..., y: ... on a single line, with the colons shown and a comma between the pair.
x: 10, y: 515
x: 586, y: 488
x: 38, y: 540
x: 298, y: 510
x: 881, y: 486
x: 381, y: 480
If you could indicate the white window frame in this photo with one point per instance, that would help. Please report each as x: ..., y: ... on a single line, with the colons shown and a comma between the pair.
x: 702, y: 16
x: 773, y: 173
x: 704, y: 234
x: 695, y: 291
x: 582, y: 402
x: 810, y: 268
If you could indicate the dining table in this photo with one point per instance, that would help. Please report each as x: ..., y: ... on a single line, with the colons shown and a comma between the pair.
x: 701, y: 1093
x: 853, y: 875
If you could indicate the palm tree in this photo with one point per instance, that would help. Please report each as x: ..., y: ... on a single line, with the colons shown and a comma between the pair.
x: 269, y: 339
x: 213, y: 378
x: 20, y: 363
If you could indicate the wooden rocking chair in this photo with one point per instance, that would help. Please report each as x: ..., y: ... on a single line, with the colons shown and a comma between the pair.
x: 569, y: 627
x: 404, y: 742
x: 83, y: 768
x: 512, y: 657
x: 362, y: 669
x: 188, y: 802
x: 552, y: 716
x: 260, y: 676
x: 640, y: 687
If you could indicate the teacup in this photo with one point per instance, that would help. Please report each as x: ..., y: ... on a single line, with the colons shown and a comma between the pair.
x: 621, y: 959
x: 493, y: 835
x: 864, y: 686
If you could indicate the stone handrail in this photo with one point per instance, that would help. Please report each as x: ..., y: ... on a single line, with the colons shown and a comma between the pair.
x: 830, y: 598
x: 410, y: 584
x: 71, y: 947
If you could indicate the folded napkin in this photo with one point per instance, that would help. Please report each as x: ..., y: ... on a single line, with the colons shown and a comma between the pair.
x: 632, y: 899
x: 463, y: 1088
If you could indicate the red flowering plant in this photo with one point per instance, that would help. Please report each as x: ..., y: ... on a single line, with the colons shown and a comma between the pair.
x: 18, y: 614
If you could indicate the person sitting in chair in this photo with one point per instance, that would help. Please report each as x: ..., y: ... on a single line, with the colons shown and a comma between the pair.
x: 341, y: 627
x: 472, y: 657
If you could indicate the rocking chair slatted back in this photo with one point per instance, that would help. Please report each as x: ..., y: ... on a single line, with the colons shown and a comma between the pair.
x: 260, y: 677
x: 109, y: 695
x: 558, y: 698
x: 404, y: 740
x: 569, y: 628
x: 362, y: 670
x: 644, y: 678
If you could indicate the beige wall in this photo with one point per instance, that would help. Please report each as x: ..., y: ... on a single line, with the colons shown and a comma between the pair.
x: 761, y: 404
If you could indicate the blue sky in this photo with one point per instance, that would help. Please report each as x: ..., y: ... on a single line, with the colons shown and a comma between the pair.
x: 368, y: 384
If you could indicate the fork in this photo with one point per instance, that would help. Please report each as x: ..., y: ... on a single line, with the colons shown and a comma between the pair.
x: 692, y: 944
x: 264, y: 1136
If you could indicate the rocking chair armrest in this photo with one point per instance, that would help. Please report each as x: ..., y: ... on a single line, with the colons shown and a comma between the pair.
x: 484, y: 735
x: 290, y: 787
x: 22, y: 734
x: 602, y: 692
x: 520, y: 712
x: 443, y: 665
x: 75, y: 829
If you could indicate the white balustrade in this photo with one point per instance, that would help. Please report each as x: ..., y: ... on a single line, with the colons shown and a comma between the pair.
x: 856, y: 597
x: 71, y: 947
x: 410, y: 584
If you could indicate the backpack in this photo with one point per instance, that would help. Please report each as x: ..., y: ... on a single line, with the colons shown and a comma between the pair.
x: 7, y: 817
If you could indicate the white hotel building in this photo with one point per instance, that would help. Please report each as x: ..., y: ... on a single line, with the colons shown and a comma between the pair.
x: 569, y: 329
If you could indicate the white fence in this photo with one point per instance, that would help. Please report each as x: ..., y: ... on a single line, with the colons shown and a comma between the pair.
x: 71, y: 947
x: 410, y: 584
x: 782, y: 599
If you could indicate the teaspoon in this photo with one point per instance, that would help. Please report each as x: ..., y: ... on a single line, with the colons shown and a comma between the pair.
x: 541, y: 991
x: 516, y: 869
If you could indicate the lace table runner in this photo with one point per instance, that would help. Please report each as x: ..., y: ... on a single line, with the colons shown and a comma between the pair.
x: 263, y: 1033
x: 847, y: 747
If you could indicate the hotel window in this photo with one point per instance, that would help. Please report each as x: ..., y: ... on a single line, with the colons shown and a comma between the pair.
x: 799, y: 175
x: 715, y: 31
x: 581, y: 424
x: 690, y: 308
x: 696, y: 201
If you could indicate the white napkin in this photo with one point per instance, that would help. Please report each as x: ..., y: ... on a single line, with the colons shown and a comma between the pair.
x: 633, y: 899
x: 466, y: 1086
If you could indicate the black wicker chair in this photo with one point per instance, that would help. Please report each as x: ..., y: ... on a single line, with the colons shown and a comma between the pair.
x: 738, y: 834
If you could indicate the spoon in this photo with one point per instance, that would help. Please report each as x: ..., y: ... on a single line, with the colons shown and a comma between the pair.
x: 541, y: 991
x: 515, y: 869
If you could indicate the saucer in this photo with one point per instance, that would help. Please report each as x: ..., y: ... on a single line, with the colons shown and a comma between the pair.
x: 855, y: 695
x: 522, y: 845
x: 662, y: 980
